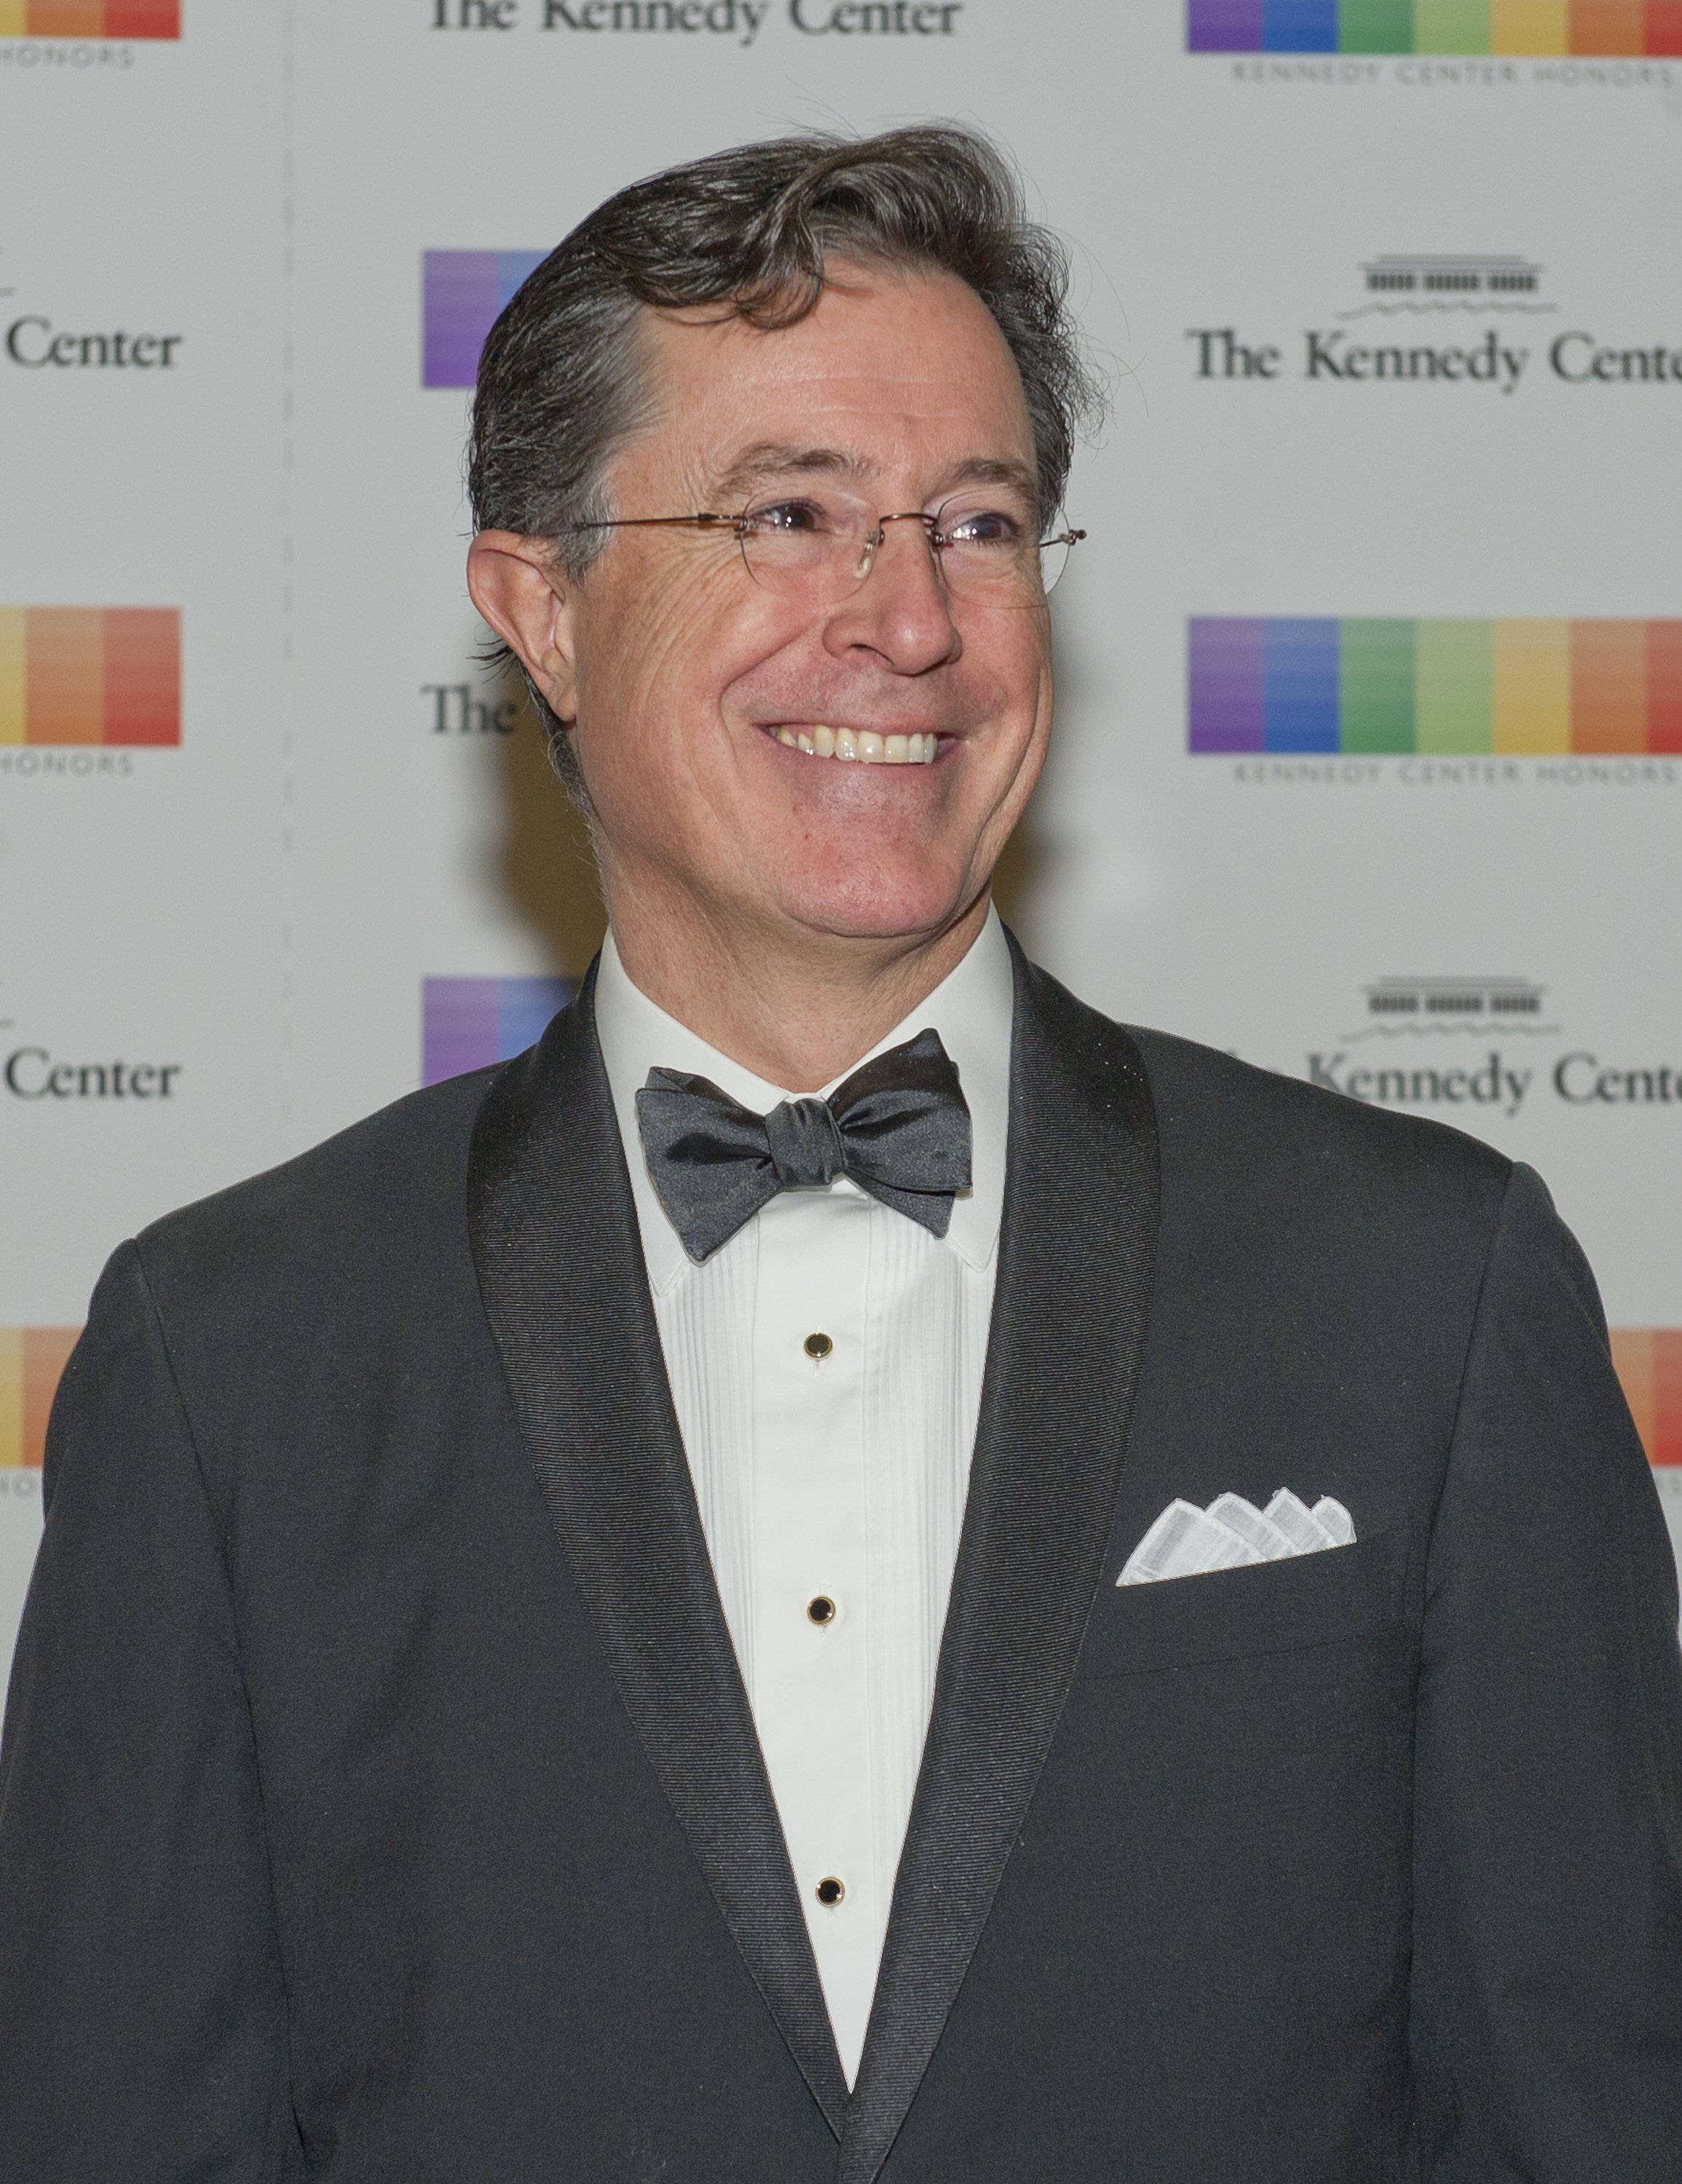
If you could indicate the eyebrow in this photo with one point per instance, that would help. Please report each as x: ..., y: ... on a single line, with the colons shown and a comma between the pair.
x: 768, y: 459
x: 994, y: 470
x: 780, y: 459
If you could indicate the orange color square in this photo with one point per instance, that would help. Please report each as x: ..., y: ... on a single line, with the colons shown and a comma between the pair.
x: 65, y: 674
x: 67, y: 18
x: 1607, y: 26
x: 1649, y: 1362
x: 1608, y: 687
x: 1666, y: 1444
x: 46, y: 1351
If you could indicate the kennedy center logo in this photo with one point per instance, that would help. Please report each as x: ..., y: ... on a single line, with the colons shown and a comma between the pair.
x: 31, y: 1359
x: 473, y: 1023
x: 1429, y: 280
x: 1526, y: 28
x: 33, y: 340
x: 463, y: 293
x: 89, y: 19
x: 733, y: 22
x: 1402, y: 291
x: 1409, y: 1004
x: 90, y: 675
x: 1410, y: 1051
x: 1387, y: 687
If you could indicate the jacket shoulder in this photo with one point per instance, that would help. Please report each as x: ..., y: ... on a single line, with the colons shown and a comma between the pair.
x: 393, y: 1182
x: 1213, y: 1107
x: 1244, y: 1143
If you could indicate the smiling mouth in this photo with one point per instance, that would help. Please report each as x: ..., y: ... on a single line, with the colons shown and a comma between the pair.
x: 862, y: 745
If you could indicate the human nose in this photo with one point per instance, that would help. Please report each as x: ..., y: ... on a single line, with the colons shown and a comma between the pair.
x: 900, y: 607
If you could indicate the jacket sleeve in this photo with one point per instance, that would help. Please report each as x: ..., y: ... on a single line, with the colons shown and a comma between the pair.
x: 1547, y: 2014
x: 142, y: 2011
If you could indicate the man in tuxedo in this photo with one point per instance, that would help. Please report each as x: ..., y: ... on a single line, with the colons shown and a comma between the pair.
x: 578, y: 1632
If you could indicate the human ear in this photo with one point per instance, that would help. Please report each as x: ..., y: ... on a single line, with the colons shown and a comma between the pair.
x: 520, y: 590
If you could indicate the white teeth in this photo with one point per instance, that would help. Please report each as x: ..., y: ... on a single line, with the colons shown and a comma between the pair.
x: 864, y: 745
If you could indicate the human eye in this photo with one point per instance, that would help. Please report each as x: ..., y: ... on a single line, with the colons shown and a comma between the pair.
x: 980, y: 528
x: 801, y: 518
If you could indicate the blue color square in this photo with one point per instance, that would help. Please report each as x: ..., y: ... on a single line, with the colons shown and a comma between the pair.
x: 1300, y: 26
x: 1300, y: 681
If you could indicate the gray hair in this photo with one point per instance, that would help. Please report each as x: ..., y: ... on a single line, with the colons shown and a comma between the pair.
x: 561, y: 388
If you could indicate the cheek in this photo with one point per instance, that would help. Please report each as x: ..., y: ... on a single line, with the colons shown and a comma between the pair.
x: 1018, y: 648
x: 669, y: 644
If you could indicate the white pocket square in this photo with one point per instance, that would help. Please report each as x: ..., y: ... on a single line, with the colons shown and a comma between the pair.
x: 1186, y: 1541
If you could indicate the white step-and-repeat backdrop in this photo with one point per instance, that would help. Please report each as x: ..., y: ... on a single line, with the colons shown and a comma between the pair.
x: 1370, y: 758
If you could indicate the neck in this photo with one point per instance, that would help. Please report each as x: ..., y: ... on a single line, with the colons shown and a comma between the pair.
x: 798, y: 1010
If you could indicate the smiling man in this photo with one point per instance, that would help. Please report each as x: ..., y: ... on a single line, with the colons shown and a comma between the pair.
x: 847, y: 1570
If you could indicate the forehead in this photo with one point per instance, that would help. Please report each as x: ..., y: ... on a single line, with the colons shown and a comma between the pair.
x: 900, y: 370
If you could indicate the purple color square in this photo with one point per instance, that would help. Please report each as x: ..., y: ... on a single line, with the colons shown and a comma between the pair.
x: 458, y: 1019
x: 1223, y: 26
x: 460, y: 289
x: 1225, y: 662
x: 463, y: 292
x: 472, y: 1023
x: 1302, y: 709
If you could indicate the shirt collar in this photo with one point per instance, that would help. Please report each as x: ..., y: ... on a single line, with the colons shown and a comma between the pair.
x: 971, y: 1010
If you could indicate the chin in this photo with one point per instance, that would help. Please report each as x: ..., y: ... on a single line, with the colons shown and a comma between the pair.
x: 876, y: 899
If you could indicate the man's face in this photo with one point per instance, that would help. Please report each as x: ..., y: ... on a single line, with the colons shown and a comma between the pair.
x: 688, y: 677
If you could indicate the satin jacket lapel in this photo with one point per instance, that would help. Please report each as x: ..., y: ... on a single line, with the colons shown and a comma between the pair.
x: 1071, y: 1309
x: 554, y: 1232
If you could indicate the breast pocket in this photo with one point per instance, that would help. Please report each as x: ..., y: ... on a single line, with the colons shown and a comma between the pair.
x: 1337, y: 1596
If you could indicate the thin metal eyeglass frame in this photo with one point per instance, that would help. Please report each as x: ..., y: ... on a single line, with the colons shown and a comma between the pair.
x: 872, y: 541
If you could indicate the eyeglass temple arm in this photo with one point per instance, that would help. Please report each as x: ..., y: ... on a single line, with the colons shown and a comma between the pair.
x: 646, y: 522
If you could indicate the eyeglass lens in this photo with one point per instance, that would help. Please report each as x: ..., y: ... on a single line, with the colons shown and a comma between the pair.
x: 985, y: 545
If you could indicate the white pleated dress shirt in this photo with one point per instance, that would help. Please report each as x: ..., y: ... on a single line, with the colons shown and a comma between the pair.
x: 840, y: 1479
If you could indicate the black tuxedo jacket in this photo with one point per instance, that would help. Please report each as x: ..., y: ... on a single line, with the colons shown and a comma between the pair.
x: 380, y: 1801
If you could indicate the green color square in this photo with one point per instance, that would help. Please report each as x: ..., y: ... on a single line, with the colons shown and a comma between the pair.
x: 1452, y: 26
x: 1375, y: 26
x: 1452, y: 688
x: 1375, y: 686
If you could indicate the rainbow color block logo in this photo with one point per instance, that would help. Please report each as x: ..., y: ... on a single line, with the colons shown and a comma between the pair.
x: 89, y: 19
x: 1540, y: 689
x: 31, y: 1359
x: 90, y: 675
x: 1533, y: 28
x: 473, y: 1023
x: 462, y: 291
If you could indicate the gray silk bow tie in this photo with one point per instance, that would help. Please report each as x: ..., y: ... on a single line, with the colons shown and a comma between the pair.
x: 898, y: 1127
